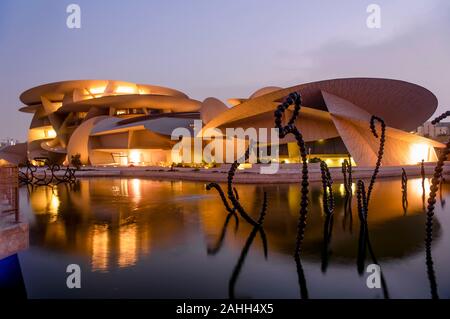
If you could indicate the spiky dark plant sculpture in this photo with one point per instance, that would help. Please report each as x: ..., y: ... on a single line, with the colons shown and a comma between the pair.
x: 364, y: 200
x: 231, y: 213
x: 30, y: 177
x: 430, y: 265
x: 236, y: 206
x: 382, y: 137
x: 283, y: 131
x: 68, y: 177
x: 362, y: 214
x: 328, y: 207
x: 327, y: 182
x: 350, y: 172
x: 422, y: 173
x: 441, y: 185
x: 258, y: 227
x: 218, y: 245
x: 363, y: 197
x: 437, y: 176
x: 347, y: 173
x: 364, y: 240
x: 404, y: 190
x: 301, y: 278
x: 233, y: 196
x: 348, y: 215
x: 27, y: 177
x: 231, y: 191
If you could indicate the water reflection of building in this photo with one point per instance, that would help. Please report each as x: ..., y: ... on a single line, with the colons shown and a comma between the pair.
x: 117, y: 222
x: 120, y: 247
x: 82, y: 219
x: 387, y: 220
x: 100, y: 248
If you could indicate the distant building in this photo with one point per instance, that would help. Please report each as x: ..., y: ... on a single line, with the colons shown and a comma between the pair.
x: 8, y: 142
x: 434, y: 131
x: 11, y: 146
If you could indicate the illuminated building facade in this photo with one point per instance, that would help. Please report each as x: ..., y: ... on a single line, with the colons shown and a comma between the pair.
x: 120, y: 123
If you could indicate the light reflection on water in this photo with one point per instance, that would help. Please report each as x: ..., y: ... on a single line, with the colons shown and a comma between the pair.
x: 141, y: 238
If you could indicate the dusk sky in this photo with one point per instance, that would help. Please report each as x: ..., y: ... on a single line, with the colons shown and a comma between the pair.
x: 223, y: 48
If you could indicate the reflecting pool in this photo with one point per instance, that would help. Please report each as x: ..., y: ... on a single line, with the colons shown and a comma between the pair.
x: 142, y: 238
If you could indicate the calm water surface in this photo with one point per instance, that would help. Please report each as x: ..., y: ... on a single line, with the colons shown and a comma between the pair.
x: 140, y: 238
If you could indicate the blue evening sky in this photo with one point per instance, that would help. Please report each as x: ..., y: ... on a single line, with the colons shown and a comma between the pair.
x: 221, y: 48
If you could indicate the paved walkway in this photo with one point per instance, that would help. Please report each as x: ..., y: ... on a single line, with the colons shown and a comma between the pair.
x: 288, y: 174
x: 13, y: 236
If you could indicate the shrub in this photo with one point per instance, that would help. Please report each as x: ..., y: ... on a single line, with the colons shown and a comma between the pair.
x: 314, y: 160
x: 76, y: 161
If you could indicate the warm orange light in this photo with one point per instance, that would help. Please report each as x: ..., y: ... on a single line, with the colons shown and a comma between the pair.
x: 134, y: 156
x: 244, y: 166
x: 125, y: 90
x: 41, y: 133
x: 415, y: 185
x: 418, y: 152
x: 136, y: 189
x: 97, y: 90
x: 121, y: 112
x: 127, y: 245
x: 54, y: 203
x: 50, y: 133
x: 53, y: 206
x: 100, y: 250
x: 342, y: 189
